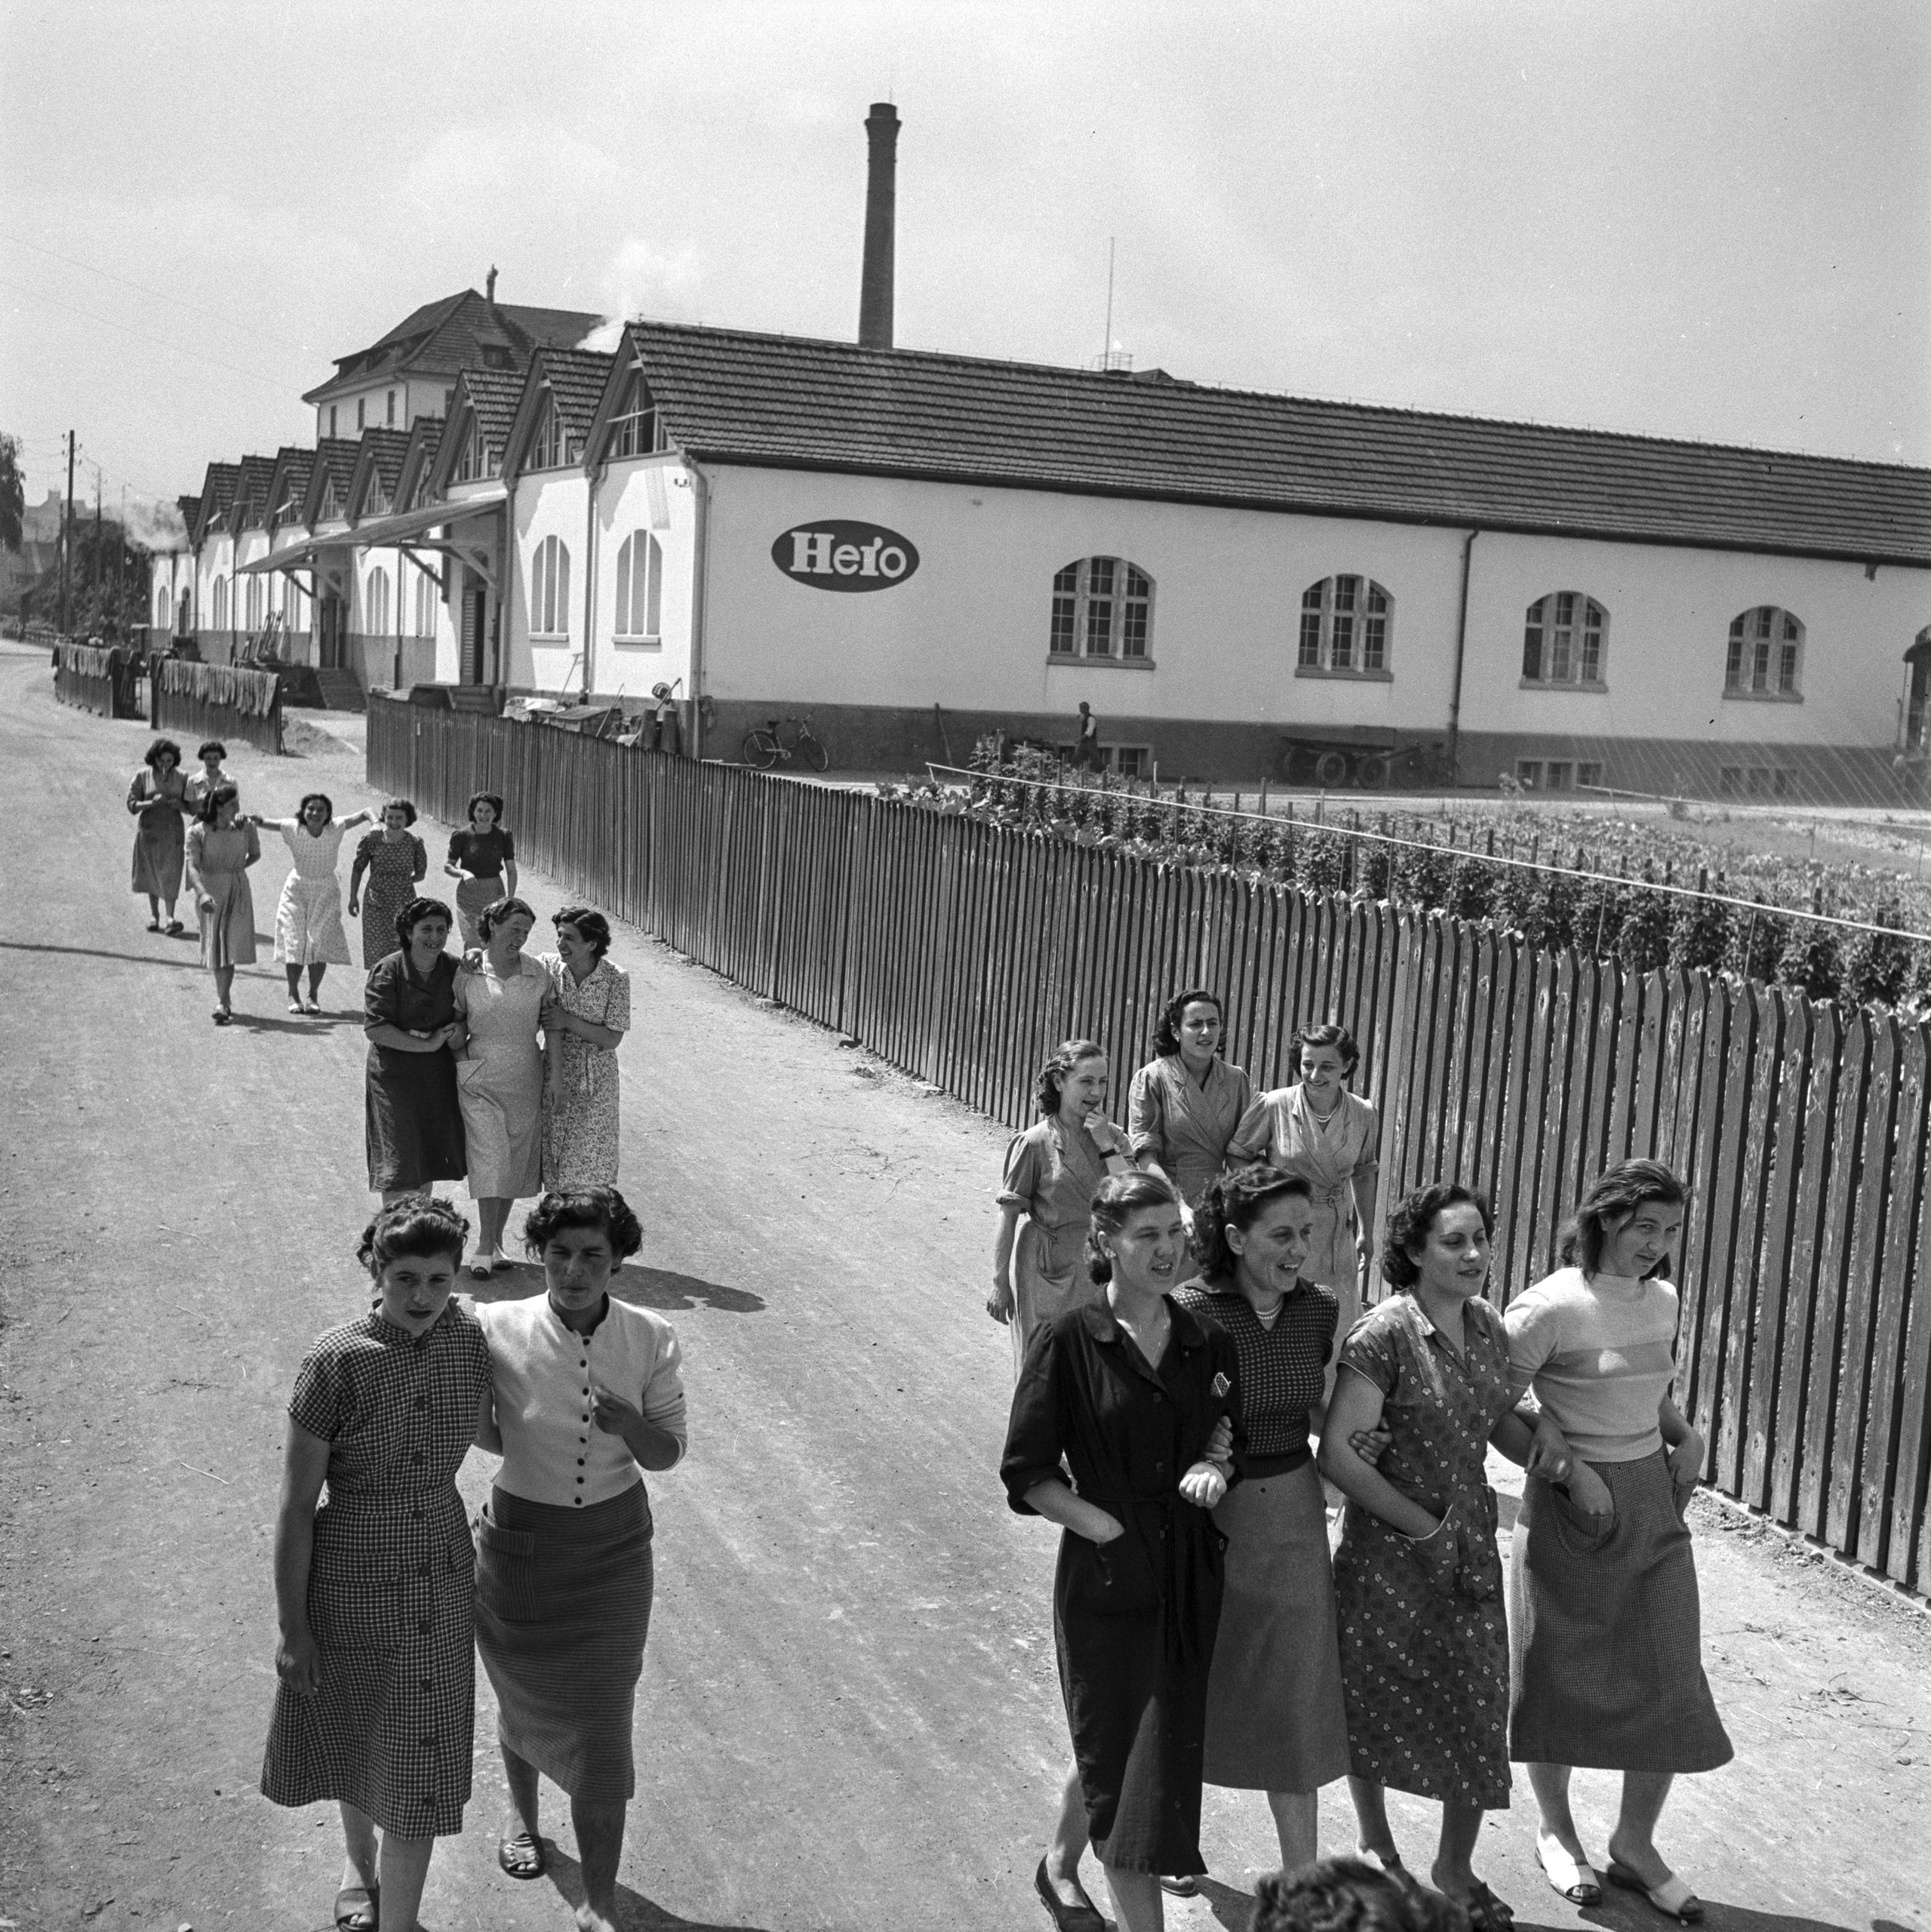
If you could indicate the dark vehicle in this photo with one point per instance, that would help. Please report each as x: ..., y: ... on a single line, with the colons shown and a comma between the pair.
x: 767, y: 745
x: 1371, y: 765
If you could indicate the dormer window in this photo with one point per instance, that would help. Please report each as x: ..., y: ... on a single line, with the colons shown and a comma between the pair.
x: 637, y: 430
x: 495, y: 357
x: 375, y: 503
x: 475, y: 462
x: 550, y: 448
x: 328, y: 503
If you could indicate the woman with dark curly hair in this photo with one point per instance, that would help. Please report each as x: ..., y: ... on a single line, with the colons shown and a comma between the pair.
x: 377, y: 1704
x: 591, y: 1016
x: 1186, y: 1103
x: 1603, y: 1610
x: 308, y: 919
x: 1124, y: 1414
x: 212, y: 751
x: 482, y: 857
x: 1317, y: 1128
x: 395, y: 862
x: 1045, y: 1197
x: 158, y: 799
x: 1417, y: 1578
x: 587, y: 1395
x: 1347, y: 1895
x: 413, y: 1120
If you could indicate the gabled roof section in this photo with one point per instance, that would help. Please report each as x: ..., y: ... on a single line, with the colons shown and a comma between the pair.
x: 190, y: 507
x: 250, y: 506
x: 463, y: 330
x: 378, y: 461
x: 217, y: 492
x: 787, y: 402
x: 292, y: 469
x: 419, y: 459
x: 492, y: 397
x: 334, y: 470
x: 574, y: 379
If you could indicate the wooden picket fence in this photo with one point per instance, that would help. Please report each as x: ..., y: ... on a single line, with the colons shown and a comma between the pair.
x: 963, y: 952
x: 83, y: 676
x: 218, y: 701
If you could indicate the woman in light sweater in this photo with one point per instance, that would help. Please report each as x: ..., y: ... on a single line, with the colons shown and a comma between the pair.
x: 1603, y: 1609
x: 586, y: 1393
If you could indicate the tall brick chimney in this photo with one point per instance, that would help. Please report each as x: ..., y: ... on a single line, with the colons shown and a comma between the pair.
x: 874, y: 291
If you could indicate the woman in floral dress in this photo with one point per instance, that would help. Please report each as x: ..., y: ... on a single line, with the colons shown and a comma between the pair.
x: 220, y: 849
x: 158, y: 798
x: 394, y: 863
x: 592, y: 1015
x: 1417, y: 1578
x: 308, y: 919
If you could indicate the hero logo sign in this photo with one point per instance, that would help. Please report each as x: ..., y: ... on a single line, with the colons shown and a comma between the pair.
x: 838, y: 555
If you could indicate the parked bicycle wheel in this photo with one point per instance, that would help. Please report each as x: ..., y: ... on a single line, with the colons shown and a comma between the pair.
x: 810, y: 750
x: 761, y: 748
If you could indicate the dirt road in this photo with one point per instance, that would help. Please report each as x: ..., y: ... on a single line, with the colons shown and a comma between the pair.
x: 849, y: 1716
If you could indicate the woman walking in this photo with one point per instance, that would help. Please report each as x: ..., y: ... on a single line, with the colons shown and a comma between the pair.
x: 1128, y: 1391
x: 504, y: 1003
x: 591, y: 1015
x: 220, y: 851
x: 1186, y: 1103
x: 308, y: 917
x: 1045, y: 1197
x: 482, y: 859
x: 1417, y: 1578
x: 1275, y: 1720
x: 158, y: 798
x: 588, y: 1393
x: 1604, y: 1613
x: 376, y: 1706
x: 414, y: 1120
x: 1317, y: 1129
x: 394, y: 859
x: 213, y: 774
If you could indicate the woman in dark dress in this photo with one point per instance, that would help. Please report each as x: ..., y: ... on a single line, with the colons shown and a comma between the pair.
x: 414, y: 1116
x: 377, y: 1705
x: 483, y: 860
x: 1137, y: 1398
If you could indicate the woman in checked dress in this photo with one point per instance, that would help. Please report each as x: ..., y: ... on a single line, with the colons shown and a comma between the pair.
x: 374, y: 1592
x: 308, y: 920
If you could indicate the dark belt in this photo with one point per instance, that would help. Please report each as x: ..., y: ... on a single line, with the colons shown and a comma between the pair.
x: 1258, y: 1469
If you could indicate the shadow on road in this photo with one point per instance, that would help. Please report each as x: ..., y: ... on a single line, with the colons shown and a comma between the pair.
x: 659, y: 1288
x: 192, y: 965
x: 635, y: 1912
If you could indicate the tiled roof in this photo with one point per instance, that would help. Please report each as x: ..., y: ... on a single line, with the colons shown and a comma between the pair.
x: 787, y: 402
x: 495, y: 393
x: 190, y: 507
x: 293, y: 467
x: 217, y: 492
x: 251, y: 505
x: 576, y: 377
x: 385, y: 447
x: 459, y: 332
x: 335, y: 462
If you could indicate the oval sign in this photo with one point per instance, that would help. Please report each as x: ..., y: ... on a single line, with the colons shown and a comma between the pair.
x: 840, y: 555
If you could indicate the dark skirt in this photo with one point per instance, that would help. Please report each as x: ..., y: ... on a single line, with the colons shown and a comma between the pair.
x: 412, y: 1120
x: 563, y: 1608
x: 1605, y: 1640
x: 1135, y: 1634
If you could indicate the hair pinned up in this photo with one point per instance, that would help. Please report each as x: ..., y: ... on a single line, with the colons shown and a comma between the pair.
x: 1331, y: 1034
x: 1115, y: 1200
x: 600, y: 1207
x: 1048, y: 1088
x: 413, y: 1227
x: 492, y: 799
x: 497, y: 910
x: 1238, y: 1200
x: 413, y: 914
x: 311, y: 797
x: 591, y: 926
x: 1408, y: 1227
x: 1166, y: 1029
x: 218, y: 796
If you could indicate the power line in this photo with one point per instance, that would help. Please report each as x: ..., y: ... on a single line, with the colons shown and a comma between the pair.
x: 174, y: 348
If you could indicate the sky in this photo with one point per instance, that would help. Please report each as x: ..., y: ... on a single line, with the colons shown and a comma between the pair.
x: 1710, y: 222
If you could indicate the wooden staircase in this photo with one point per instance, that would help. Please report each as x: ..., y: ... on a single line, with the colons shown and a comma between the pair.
x: 340, y: 691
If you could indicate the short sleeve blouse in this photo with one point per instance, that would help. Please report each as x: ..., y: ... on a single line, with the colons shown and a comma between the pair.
x: 482, y: 854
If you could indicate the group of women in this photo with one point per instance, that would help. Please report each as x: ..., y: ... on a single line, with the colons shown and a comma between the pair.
x: 1177, y: 1361
x: 385, y: 1592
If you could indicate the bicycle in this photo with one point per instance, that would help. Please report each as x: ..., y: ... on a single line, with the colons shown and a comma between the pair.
x: 764, y: 744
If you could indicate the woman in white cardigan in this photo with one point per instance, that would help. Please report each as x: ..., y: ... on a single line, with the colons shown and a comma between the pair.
x: 586, y: 1395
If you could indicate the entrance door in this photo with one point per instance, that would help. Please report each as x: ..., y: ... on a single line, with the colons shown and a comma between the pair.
x: 331, y: 628
x: 469, y: 669
x: 1918, y: 696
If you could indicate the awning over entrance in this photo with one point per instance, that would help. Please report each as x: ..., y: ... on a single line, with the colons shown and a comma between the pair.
x: 389, y: 530
x: 291, y: 556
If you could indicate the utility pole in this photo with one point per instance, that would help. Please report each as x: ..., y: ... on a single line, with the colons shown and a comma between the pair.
x: 67, y: 535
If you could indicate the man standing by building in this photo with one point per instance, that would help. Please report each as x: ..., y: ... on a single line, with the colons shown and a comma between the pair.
x: 1085, y: 750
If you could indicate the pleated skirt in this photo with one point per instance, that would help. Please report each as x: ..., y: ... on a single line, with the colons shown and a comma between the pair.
x: 563, y: 1609
x: 1605, y: 1637
x: 1276, y: 1720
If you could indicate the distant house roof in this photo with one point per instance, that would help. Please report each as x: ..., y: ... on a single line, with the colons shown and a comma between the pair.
x: 190, y: 507
x: 418, y: 458
x: 379, y: 458
x: 786, y: 402
x: 251, y: 504
x: 334, y: 466
x: 292, y: 468
x: 575, y: 379
x: 217, y: 492
x: 463, y: 330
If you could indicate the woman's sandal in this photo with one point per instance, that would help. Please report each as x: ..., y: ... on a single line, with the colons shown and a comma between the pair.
x: 154, y: 925
x: 1382, y: 1861
x: 1185, y: 1887
x: 175, y: 929
x: 223, y: 1016
x: 359, y: 1907
x: 480, y: 1262
x: 1573, y: 1878
x: 1672, y: 1898
x: 294, y: 1006
x: 522, y: 1857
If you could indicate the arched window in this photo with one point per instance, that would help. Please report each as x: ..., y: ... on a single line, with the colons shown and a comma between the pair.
x: 477, y: 461
x: 426, y: 604
x: 549, y: 589
x: 1345, y: 622
x: 636, y: 429
x: 375, y: 603
x: 640, y: 587
x: 1766, y: 654
x: 1102, y: 607
x: 221, y: 604
x: 160, y: 609
x: 548, y: 449
x: 293, y: 615
x: 254, y: 602
x: 1562, y: 638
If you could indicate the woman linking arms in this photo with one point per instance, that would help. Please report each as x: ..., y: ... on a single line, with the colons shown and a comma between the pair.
x: 413, y: 1119
x: 591, y: 1015
x: 1317, y: 1128
x: 1129, y: 1391
x: 1603, y: 1611
x: 395, y: 862
x: 587, y: 1395
x: 221, y: 851
x: 1186, y: 1103
x: 308, y: 917
x: 376, y: 1706
x: 1417, y: 1577
x: 1046, y: 1198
